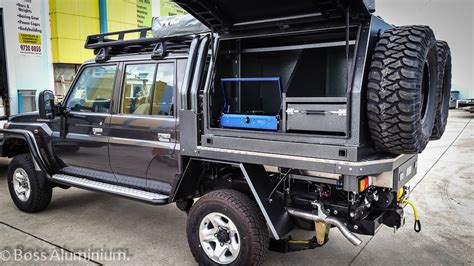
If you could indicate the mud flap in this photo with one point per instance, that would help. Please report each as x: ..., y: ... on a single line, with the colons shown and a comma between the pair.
x: 277, y: 217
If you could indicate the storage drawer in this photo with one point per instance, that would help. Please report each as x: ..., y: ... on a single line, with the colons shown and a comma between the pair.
x: 316, y: 117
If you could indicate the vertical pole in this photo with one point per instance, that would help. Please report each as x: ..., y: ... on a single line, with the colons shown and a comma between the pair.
x: 348, y: 70
x: 103, y: 15
x: 348, y: 67
x: 20, y: 102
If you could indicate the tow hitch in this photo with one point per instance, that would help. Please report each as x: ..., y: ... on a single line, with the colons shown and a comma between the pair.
x: 389, y: 212
x: 402, y: 198
x: 394, y: 217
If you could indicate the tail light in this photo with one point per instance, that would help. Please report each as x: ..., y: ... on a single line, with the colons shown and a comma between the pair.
x: 363, y: 183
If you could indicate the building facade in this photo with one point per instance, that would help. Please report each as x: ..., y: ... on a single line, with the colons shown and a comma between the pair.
x: 42, y: 42
x: 25, y: 54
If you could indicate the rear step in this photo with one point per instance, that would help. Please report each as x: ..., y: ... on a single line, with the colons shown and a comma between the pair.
x: 132, y: 193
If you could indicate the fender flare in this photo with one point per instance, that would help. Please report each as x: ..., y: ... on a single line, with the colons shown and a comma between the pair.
x: 30, y: 140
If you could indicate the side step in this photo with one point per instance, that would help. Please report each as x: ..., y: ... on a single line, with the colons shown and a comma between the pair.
x: 132, y: 193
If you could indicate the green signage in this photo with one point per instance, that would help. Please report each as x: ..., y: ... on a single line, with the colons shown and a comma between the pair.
x: 144, y: 13
x: 168, y: 8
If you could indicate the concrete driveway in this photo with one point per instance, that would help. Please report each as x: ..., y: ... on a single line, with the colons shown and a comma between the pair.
x: 87, y: 222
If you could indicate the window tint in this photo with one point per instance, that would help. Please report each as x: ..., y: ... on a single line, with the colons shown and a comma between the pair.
x: 137, y: 88
x: 163, y: 95
x: 93, y: 90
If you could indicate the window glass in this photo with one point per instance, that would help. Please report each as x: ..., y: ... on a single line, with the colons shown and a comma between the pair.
x: 163, y: 95
x: 93, y: 90
x: 180, y: 72
x: 137, y: 87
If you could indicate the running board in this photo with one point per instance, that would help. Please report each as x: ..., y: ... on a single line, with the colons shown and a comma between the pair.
x: 132, y: 193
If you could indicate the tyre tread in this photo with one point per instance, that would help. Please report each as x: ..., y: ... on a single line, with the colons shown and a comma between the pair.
x: 443, y: 91
x: 393, y: 89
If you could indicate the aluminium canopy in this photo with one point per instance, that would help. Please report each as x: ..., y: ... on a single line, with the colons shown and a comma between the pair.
x: 233, y: 15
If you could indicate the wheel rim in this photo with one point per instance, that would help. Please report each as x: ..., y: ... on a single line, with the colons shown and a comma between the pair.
x: 219, y: 238
x: 21, y: 184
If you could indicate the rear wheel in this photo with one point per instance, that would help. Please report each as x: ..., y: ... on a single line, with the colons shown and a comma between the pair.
x: 225, y: 227
x: 26, y: 191
x: 444, y: 89
x: 401, y: 94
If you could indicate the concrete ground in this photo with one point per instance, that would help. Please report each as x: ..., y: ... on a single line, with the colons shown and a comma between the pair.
x: 443, y: 191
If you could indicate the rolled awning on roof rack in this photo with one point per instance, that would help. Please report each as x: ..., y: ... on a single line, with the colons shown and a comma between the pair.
x: 179, y: 25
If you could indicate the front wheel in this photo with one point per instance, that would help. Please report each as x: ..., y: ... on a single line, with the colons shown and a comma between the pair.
x: 225, y: 227
x: 26, y: 191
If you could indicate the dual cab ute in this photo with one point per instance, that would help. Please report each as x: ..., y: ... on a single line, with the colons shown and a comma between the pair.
x: 307, y: 115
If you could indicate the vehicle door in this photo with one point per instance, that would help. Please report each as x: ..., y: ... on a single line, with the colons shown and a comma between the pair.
x: 81, y: 135
x: 143, y: 131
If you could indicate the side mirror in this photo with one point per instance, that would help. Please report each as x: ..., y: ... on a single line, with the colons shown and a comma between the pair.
x: 46, y: 105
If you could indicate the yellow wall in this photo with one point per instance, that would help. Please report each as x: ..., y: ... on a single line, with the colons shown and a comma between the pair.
x: 71, y: 22
x: 121, y: 15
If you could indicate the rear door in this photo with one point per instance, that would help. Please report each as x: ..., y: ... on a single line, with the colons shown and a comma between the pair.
x: 143, y: 131
x: 81, y: 137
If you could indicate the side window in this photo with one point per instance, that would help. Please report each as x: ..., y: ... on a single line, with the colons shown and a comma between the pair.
x: 163, y: 95
x: 93, y: 90
x: 180, y: 71
x: 137, y: 89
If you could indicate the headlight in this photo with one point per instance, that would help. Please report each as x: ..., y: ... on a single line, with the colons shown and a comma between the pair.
x: 6, y: 125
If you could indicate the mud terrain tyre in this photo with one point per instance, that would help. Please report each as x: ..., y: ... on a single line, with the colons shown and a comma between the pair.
x: 227, y: 223
x: 444, y: 89
x: 24, y: 185
x: 401, y: 91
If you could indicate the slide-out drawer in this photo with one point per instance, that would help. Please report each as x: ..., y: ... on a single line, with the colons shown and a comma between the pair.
x: 316, y: 117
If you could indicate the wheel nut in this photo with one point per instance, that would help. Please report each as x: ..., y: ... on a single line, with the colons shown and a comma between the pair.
x: 356, y: 227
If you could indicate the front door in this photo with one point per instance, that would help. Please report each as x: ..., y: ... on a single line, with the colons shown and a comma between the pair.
x: 81, y: 136
x: 143, y: 132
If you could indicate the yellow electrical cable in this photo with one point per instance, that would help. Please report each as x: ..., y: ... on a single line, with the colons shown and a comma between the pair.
x: 415, y: 212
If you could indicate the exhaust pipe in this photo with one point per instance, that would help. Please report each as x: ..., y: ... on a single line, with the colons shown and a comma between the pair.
x: 327, y: 219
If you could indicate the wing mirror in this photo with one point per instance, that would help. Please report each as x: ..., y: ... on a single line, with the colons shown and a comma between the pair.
x: 46, y: 105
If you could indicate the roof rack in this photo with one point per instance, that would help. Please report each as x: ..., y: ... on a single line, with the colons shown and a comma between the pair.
x: 126, y: 42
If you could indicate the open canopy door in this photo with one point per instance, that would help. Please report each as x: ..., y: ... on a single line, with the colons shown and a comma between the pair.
x: 233, y: 16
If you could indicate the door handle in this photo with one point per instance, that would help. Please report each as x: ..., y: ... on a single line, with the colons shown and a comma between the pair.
x: 97, y: 131
x: 339, y: 112
x: 165, y: 137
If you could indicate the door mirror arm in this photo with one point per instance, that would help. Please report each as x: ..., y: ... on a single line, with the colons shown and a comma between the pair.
x: 61, y: 110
